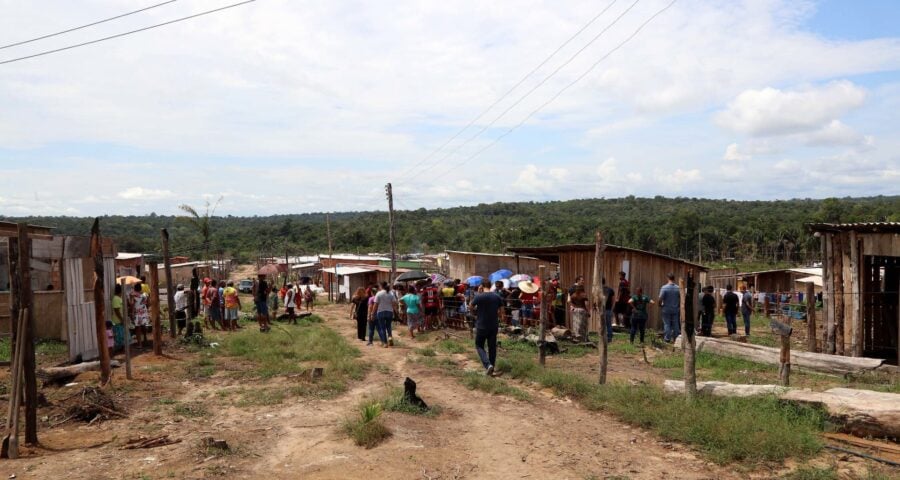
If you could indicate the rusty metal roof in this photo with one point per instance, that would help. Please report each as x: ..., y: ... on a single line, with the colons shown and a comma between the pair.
x: 869, y: 227
x: 590, y: 247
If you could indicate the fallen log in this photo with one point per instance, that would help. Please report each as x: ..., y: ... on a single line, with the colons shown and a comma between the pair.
x: 816, y: 362
x: 51, y: 374
x: 859, y: 412
x: 725, y: 389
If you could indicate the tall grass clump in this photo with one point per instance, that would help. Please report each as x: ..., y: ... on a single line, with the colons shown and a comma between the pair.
x: 367, y: 429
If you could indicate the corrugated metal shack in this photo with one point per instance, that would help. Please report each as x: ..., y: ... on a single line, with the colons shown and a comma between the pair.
x: 466, y: 264
x: 62, y: 273
x: 861, y: 283
x: 643, y: 269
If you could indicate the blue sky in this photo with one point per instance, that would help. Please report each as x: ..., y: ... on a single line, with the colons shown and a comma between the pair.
x: 285, y: 108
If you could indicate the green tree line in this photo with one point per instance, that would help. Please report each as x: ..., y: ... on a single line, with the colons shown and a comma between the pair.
x: 722, y: 231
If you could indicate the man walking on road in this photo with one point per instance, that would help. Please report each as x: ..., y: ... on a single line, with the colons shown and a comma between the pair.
x: 670, y: 301
x: 487, y: 306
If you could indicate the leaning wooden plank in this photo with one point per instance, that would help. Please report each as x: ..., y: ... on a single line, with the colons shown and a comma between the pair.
x: 882, y: 447
x: 55, y: 373
x: 817, y: 362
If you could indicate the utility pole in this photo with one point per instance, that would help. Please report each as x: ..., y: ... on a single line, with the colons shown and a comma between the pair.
x: 390, y: 199
x: 597, y: 301
x: 330, y: 258
x: 100, y: 303
x: 699, y: 247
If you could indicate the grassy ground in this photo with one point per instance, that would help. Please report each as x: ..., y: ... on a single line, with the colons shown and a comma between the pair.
x: 286, y: 351
x: 747, y: 430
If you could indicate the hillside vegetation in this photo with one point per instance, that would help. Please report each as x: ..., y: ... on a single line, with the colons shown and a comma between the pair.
x: 725, y: 231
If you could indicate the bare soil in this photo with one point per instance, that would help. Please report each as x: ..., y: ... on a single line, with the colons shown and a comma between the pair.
x: 477, y: 436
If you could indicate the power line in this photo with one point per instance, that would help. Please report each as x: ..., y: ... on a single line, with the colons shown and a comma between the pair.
x: 48, y: 52
x: 520, y: 82
x: 85, y: 26
x: 541, y: 83
x: 564, y: 89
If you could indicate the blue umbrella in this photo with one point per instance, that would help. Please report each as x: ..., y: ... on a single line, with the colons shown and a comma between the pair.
x: 500, y: 275
x: 473, y: 281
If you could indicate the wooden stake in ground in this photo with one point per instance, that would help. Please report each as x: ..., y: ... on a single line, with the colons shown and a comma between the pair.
x: 390, y: 199
x: 811, y: 344
x: 784, y: 330
x: 154, y: 308
x: 170, y: 289
x: 27, y: 336
x: 597, y: 302
x: 100, y: 302
x: 331, y: 259
x: 688, y: 341
x: 126, y: 322
x: 542, y: 352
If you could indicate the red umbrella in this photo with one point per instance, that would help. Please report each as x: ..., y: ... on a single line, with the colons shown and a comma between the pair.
x: 269, y: 269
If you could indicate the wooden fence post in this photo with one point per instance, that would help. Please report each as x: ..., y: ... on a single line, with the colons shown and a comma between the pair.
x: 688, y: 340
x: 811, y: 344
x: 784, y: 330
x: 597, y: 302
x: 170, y: 289
x: 100, y: 303
x: 542, y: 351
x: 27, y: 336
x: 154, y: 308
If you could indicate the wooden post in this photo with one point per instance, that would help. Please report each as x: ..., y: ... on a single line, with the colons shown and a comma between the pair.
x: 170, y: 289
x: 597, y: 302
x: 393, y: 239
x: 811, y: 344
x: 154, y: 308
x: 100, y: 303
x: 855, y: 298
x: 14, y: 295
x: 840, y: 293
x: 542, y: 352
x: 331, y: 259
x: 27, y: 336
x: 126, y: 322
x: 687, y: 337
x: 784, y: 331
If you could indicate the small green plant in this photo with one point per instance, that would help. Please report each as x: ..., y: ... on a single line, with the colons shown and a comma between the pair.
x: 367, y: 429
x: 451, y: 346
x: 190, y: 410
x: 495, y: 386
x: 426, y: 352
x: 807, y: 472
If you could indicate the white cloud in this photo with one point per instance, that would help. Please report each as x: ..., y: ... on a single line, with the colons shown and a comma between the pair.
x: 838, y: 133
x: 734, y: 154
x: 140, y: 193
x: 607, y: 169
x: 771, y: 111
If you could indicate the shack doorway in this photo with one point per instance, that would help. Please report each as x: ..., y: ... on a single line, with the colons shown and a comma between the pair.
x: 881, y: 307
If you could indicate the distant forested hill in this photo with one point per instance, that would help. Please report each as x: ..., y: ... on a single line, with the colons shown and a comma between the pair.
x: 747, y: 231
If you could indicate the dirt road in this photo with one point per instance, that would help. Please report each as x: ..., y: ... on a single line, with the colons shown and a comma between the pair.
x: 478, y: 435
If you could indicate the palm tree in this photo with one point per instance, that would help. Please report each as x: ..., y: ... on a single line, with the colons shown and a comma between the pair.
x: 201, y: 222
